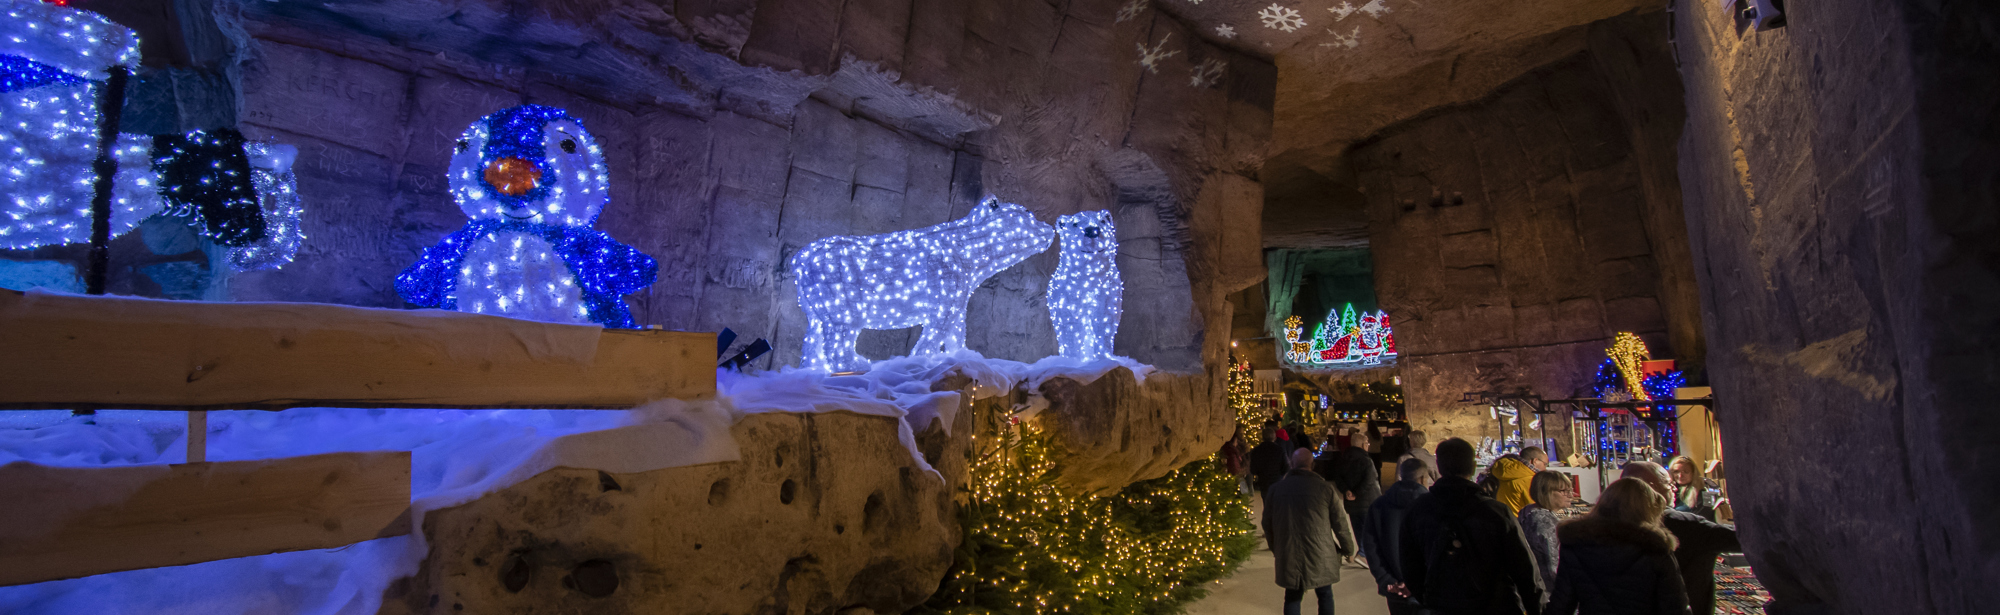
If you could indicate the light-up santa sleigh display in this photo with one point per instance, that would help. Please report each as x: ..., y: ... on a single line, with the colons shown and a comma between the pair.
x: 533, y: 182
x: 1343, y: 340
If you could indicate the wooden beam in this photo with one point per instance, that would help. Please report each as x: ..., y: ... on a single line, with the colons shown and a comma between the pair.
x: 75, y: 352
x: 197, y: 436
x: 71, y: 522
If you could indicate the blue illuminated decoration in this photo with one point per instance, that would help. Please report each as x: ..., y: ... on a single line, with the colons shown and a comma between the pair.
x: 533, y: 181
x: 907, y: 278
x: 18, y: 73
x: 278, y: 199
x: 1086, y: 296
x: 1628, y: 355
x: 48, y: 143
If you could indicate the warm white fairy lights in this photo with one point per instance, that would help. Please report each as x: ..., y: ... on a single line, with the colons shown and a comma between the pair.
x: 907, y: 278
x: 533, y: 181
x: 1086, y: 297
x: 50, y: 59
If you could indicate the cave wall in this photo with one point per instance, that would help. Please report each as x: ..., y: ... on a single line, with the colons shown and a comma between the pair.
x: 823, y: 513
x: 1840, y: 185
x: 738, y: 131
x: 1512, y: 237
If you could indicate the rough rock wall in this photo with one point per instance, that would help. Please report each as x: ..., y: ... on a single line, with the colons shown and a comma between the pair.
x: 824, y: 512
x: 1116, y: 431
x: 737, y: 132
x: 1840, y: 181
x: 1418, y: 57
x: 1512, y: 236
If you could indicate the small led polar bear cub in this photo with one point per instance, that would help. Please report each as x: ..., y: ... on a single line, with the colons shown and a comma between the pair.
x: 533, y: 181
x: 1086, y: 297
x: 907, y: 278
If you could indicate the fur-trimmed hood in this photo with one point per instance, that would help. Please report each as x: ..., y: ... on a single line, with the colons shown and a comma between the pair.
x: 1592, y: 529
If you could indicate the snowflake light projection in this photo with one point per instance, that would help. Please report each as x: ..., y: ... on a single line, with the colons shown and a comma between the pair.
x: 1131, y: 11
x: 1343, y: 339
x: 1208, y: 74
x: 50, y: 60
x: 1086, y: 296
x: 1374, y: 8
x: 1350, y: 40
x: 1278, y: 17
x: 1225, y: 31
x: 533, y: 181
x: 907, y: 278
x: 1150, y: 58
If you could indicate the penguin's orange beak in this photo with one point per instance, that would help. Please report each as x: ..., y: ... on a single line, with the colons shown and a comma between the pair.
x: 513, y: 176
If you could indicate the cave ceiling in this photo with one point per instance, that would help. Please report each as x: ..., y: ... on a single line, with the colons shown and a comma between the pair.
x: 1349, y: 68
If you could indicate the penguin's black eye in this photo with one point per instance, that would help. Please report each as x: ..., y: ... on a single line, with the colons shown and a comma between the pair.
x: 462, y: 145
x: 569, y: 146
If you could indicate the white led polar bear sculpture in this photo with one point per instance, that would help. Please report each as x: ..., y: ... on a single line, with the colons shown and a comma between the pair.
x: 1086, y: 298
x: 907, y: 278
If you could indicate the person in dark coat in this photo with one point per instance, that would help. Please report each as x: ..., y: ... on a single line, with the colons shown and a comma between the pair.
x: 1382, y: 533
x: 1354, y: 473
x: 1619, y: 560
x: 1268, y: 459
x: 1700, y: 540
x: 1308, y: 532
x: 1394, y: 445
x: 1464, y: 554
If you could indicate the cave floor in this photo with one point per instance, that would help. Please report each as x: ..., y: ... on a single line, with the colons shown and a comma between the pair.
x: 1251, y: 591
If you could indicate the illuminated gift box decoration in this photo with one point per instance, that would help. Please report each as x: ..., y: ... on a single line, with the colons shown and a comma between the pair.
x: 53, y: 61
x: 1086, y: 297
x: 533, y: 181
x: 241, y: 194
x: 907, y: 278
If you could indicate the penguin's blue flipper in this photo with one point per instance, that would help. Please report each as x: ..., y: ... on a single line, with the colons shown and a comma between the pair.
x: 432, y: 281
x: 607, y: 271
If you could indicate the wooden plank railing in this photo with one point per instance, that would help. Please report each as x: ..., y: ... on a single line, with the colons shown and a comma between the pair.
x: 66, y: 352
x: 71, y: 522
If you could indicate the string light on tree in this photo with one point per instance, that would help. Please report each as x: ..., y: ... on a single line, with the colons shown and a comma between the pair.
x: 1032, y: 547
x: 1086, y: 296
x: 533, y: 181
x: 1242, y: 398
x: 905, y: 279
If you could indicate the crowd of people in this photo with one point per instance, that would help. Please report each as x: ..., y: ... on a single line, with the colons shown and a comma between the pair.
x: 1444, y: 539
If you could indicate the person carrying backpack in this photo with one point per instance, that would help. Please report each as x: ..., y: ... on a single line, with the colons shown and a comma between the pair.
x: 1462, y: 553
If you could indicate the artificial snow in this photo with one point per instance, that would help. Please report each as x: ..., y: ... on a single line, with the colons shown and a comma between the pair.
x: 458, y: 456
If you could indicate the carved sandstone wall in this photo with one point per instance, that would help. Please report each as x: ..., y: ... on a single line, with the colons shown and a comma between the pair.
x: 1840, y: 178
x: 740, y: 131
x: 1514, y: 235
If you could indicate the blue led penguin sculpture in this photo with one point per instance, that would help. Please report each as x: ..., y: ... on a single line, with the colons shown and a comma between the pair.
x: 533, y: 181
